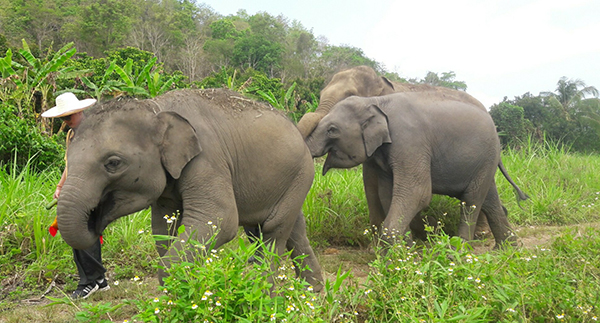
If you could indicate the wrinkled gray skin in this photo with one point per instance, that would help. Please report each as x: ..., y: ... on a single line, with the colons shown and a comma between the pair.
x: 416, y: 145
x: 212, y: 154
x: 363, y: 81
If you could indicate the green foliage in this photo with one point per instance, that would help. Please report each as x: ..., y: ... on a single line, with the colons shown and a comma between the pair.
x: 548, y: 119
x: 446, y: 80
x: 29, y: 86
x: 446, y: 282
x: 284, y: 101
x: 217, y: 285
x: 336, y: 209
x: 139, y: 76
x: 106, y: 24
x: 224, y: 29
x: 255, y: 51
x: 24, y: 145
x: 510, y: 123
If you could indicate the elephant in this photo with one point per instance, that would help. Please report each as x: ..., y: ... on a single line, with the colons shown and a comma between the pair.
x: 415, y: 145
x: 212, y: 157
x: 363, y: 81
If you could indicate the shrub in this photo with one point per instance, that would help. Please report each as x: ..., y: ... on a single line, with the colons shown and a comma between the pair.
x: 21, y: 141
x: 221, y: 286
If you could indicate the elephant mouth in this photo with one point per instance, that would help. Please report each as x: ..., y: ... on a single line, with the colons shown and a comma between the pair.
x: 328, y: 161
x: 97, y: 220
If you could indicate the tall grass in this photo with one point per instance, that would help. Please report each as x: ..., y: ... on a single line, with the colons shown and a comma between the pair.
x: 336, y: 208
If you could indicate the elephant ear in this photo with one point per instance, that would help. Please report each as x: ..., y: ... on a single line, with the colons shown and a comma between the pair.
x: 179, y: 142
x: 375, y: 129
x: 388, y: 86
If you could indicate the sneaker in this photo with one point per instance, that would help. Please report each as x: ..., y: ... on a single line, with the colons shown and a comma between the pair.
x: 84, y: 291
x: 103, y: 285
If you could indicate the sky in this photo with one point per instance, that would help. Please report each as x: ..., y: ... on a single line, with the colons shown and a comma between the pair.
x: 500, y: 48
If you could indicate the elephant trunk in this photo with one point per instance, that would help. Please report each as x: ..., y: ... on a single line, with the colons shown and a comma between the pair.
x: 310, y: 120
x: 316, y: 147
x: 74, y: 217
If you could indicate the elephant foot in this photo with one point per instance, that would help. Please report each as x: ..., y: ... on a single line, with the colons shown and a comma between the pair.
x: 482, y: 228
x: 511, y: 240
x: 419, y: 226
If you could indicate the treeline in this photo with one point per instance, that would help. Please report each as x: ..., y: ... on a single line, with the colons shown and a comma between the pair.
x: 184, y: 35
x: 143, y: 48
x: 568, y: 117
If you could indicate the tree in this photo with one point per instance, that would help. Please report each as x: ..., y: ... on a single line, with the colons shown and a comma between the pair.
x: 105, y: 25
x: 336, y: 58
x: 570, y: 92
x: 510, y: 122
x: 255, y: 51
x: 446, y: 80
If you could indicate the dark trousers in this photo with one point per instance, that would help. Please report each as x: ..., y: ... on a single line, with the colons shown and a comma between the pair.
x: 89, y: 264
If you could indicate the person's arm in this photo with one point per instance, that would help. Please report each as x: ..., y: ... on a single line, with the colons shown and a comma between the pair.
x: 60, y: 184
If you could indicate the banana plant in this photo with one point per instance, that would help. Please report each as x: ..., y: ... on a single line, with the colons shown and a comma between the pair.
x: 38, y: 75
x: 286, y: 102
x: 134, y: 84
x: 104, y: 87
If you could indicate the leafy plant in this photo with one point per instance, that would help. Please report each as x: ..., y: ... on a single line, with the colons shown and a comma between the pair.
x: 218, y: 286
x: 284, y: 101
x: 36, y: 80
x: 105, y: 87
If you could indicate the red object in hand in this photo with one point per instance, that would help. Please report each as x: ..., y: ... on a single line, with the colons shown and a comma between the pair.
x: 53, y: 229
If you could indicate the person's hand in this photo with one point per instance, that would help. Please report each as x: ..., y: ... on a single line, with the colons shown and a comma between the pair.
x: 57, y: 192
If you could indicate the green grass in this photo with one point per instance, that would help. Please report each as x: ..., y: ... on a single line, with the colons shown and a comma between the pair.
x: 554, y: 282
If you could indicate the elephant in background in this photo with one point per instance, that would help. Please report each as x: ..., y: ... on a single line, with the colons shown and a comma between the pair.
x: 416, y: 145
x: 197, y: 153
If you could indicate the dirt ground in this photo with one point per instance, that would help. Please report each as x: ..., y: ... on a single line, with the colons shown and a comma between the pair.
x: 349, y: 259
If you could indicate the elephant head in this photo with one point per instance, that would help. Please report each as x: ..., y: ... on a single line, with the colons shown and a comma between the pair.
x: 352, y: 132
x: 358, y: 81
x: 119, y: 162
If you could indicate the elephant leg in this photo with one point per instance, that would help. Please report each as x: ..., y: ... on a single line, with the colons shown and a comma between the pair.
x: 472, y: 201
x: 285, y: 226
x: 300, y: 246
x: 482, y: 225
x: 497, y: 218
x: 160, y: 226
x: 410, y: 194
x: 417, y: 226
x: 372, y: 192
x: 203, y: 213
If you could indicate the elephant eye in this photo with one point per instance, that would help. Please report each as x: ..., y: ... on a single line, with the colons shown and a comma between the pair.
x: 333, y: 132
x: 112, y: 164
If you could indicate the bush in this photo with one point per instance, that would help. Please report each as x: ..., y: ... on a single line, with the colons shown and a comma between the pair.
x: 22, y: 142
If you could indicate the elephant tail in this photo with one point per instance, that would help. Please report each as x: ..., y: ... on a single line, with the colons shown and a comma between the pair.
x: 521, y: 196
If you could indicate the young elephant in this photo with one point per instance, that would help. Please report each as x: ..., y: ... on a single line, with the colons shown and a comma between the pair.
x: 415, y: 145
x: 214, y: 156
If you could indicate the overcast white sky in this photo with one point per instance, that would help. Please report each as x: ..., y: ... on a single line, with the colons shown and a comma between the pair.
x: 498, y: 47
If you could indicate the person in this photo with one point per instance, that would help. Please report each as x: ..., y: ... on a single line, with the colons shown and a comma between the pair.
x: 89, y: 262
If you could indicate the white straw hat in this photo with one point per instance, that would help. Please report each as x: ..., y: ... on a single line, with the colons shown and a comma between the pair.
x: 67, y: 104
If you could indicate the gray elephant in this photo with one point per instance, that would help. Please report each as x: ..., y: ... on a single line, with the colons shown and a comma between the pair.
x: 363, y: 81
x: 214, y: 156
x: 415, y: 145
